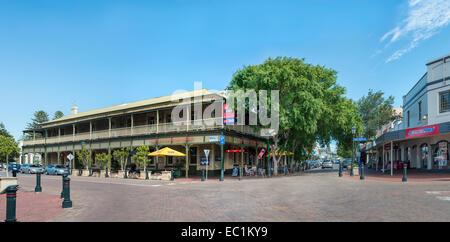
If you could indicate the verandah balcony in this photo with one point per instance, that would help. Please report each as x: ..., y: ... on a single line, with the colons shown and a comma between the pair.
x: 183, y: 126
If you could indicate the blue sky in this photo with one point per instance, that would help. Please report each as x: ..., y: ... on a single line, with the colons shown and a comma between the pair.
x: 100, y: 53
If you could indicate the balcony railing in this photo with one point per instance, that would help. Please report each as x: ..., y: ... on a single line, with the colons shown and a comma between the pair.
x: 193, y: 125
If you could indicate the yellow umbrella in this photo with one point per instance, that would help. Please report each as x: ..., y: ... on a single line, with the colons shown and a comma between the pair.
x: 166, y: 152
x: 283, y: 153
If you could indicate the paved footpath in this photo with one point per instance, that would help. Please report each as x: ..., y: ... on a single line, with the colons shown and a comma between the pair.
x: 313, y: 196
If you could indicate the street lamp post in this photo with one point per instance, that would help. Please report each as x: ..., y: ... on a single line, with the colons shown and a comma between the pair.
x: 353, y: 144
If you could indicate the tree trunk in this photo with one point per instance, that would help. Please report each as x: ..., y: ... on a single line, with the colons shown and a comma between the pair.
x: 7, y: 165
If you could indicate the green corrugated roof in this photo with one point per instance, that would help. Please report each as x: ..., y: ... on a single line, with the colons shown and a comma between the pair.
x: 126, y: 106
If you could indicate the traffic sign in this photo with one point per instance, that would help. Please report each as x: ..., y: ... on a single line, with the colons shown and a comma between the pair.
x: 70, y: 157
x: 359, y: 139
x: 222, y: 139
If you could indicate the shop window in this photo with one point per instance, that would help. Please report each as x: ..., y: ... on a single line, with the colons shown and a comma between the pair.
x: 424, y: 149
x: 441, y: 157
x: 444, y: 102
x: 169, y: 160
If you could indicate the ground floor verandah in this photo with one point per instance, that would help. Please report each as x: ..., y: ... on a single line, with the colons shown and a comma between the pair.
x: 421, y: 153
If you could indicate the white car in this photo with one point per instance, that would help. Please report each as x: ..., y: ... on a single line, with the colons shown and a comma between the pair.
x: 327, y: 164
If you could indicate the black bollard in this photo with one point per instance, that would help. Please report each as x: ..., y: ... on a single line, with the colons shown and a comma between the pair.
x: 62, y: 191
x: 203, y: 175
x: 11, y: 193
x: 146, y: 174
x: 38, y: 187
x: 125, y: 175
x: 405, y: 167
x: 79, y: 172
x: 171, y: 174
x: 106, y: 173
x: 66, y: 203
x: 361, y: 177
x: 221, y: 175
x: 14, y: 173
x: 340, y: 168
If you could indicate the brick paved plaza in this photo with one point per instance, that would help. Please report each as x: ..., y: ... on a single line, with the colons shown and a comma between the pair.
x: 313, y: 196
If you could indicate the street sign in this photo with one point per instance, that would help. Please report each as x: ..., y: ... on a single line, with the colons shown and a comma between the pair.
x: 213, y: 138
x: 261, y: 153
x: 359, y: 139
x: 222, y: 139
x: 70, y: 157
x: 207, y: 161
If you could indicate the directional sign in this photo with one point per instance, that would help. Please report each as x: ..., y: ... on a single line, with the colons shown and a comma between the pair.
x: 222, y: 139
x: 359, y: 139
x: 70, y: 157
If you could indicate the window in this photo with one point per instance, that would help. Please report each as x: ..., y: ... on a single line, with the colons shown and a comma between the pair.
x: 420, y: 110
x: 408, y: 118
x: 444, y: 102
x: 193, y: 155
x: 169, y: 160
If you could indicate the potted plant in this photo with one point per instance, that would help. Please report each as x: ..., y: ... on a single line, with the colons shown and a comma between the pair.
x: 122, y: 156
x: 85, y: 156
x: 141, y: 158
x: 102, y: 159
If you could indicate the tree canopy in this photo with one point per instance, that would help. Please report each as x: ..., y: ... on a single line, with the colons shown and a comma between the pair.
x: 39, y: 117
x: 58, y: 114
x: 376, y: 111
x: 311, y: 104
x: 3, y: 131
x: 9, y: 149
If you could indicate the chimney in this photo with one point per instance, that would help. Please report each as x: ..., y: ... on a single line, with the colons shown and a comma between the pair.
x: 74, y: 109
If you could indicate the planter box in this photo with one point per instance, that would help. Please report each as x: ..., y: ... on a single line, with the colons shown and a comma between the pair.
x: 356, y: 171
x: 74, y: 172
x: 142, y: 175
x: 165, y: 176
x: 102, y: 173
x: 6, y: 182
x: 85, y: 173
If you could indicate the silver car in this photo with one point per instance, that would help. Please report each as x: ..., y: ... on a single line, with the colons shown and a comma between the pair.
x: 327, y: 164
x: 33, y: 169
x: 55, y: 170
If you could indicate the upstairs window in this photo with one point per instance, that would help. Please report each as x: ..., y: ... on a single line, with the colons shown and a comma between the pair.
x: 444, y: 102
x: 408, y: 118
x: 420, y: 110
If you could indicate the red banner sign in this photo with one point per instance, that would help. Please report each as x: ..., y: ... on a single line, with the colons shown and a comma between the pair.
x: 422, y: 131
x: 234, y: 151
x: 261, y: 153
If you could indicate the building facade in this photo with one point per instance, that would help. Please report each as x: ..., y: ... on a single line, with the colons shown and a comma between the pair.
x: 421, y: 138
x: 150, y: 122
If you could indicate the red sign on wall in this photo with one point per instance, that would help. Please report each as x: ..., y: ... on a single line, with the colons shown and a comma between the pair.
x: 422, y: 131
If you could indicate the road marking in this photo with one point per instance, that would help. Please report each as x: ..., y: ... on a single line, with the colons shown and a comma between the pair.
x: 443, y: 198
x: 436, y: 192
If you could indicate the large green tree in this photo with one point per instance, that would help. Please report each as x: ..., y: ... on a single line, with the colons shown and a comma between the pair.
x: 376, y: 111
x: 311, y: 105
x: 8, y: 149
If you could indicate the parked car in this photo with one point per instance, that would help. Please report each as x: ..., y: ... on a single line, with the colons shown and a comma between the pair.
x: 55, y: 170
x: 13, y: 167
x: 346, y: 163
x: 35, y: 168
x: 24, y: 168
x: 327, y: 164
